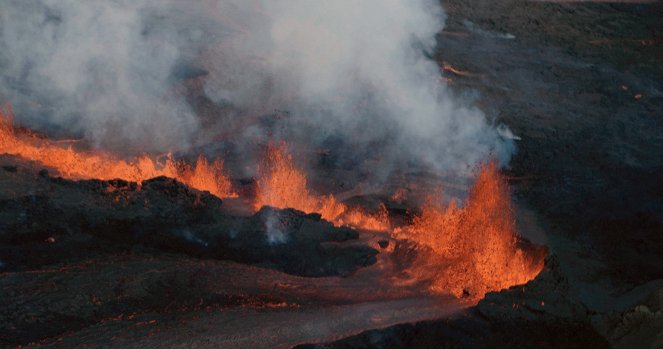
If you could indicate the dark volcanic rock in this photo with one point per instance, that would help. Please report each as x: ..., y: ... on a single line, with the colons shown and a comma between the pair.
x: 579, y: 83
x: 470, y: 331
x: 46, y: 220
x: 541, y: 314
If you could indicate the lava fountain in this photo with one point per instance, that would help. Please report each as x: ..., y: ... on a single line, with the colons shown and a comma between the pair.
x: 282, y: 185
x: 465, y: 251
x: 77, y: 164
x: 474, y: 249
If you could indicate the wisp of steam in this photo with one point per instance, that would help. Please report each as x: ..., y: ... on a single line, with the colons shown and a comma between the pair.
x: 354, y: 76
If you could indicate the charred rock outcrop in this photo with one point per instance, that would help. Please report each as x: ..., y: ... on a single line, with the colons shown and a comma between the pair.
x: 46, y: 219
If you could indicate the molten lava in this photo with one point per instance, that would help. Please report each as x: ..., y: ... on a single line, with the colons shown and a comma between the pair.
x: 472, y: 250
x: 467, y: 250
x: 76, y: 164
x: 282, y: 185
x: 450, y: 68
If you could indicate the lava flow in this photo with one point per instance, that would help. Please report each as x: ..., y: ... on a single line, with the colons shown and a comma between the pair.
x: 466, y: 251
x: 76, y: 164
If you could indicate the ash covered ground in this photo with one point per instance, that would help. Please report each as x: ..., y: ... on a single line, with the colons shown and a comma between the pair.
x: 580, y: 84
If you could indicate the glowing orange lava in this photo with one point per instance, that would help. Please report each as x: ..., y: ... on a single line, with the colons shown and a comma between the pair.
x: 466, y: 251
x: 76, y: 164
x: 282, y: 185
x: 472, y: 250
x: 450, y: 68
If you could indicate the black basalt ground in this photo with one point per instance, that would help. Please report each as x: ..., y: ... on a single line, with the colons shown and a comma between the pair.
x: 581, y: 86
x: 49, y: 220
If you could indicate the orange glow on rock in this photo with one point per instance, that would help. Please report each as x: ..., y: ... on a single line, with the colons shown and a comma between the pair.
x: 77, y: 164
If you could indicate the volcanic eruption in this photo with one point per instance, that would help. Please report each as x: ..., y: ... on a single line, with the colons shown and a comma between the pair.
x: 288, y: 110
x: 473, y: 247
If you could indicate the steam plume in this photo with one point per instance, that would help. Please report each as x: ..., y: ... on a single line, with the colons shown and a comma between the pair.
x: 352, y: 76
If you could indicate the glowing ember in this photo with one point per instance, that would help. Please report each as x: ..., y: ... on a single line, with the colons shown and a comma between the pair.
x: 473, y: 249
x: 75, y: 164
x: 281, y: 184
x: 450, y: 68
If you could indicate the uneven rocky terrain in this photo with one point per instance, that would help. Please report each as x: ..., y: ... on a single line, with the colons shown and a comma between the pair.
x: 580, y: 85
x: 70, y: 220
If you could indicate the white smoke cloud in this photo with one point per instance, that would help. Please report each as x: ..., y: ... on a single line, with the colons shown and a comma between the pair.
x: 274, y: 231
x: 100, y: 67
x: 353, y: 71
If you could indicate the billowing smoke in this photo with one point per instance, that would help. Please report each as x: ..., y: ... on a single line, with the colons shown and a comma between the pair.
x: 274, y: 231
x: 351, y: 76
x: 100, y: 68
